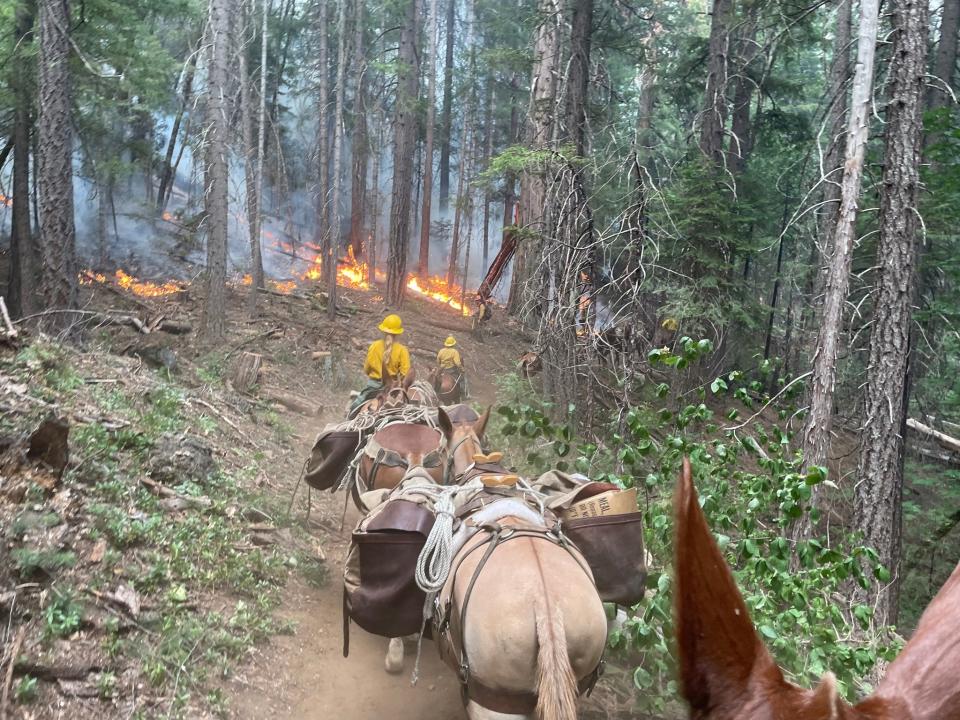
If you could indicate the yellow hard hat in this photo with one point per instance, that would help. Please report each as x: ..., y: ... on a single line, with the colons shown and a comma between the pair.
x: 392, y: 324
x: 669, y: 324
x: 449, y: 342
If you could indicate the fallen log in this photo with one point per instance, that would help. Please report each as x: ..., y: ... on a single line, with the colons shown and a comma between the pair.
x: 944, y: 440
x: 294, y: 404
x: 10, y: 332
x: 944, y: 457
x: 55, y: 672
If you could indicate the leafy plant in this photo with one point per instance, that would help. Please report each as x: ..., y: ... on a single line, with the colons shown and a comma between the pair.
x: 25, y: 690
x: 32, y: 561
x: 63, y: 616
x: 752, y: 486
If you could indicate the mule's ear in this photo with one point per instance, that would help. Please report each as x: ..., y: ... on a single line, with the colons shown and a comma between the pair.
x: 718, y: 645
x: 445, y: 424
x: 480, y: 427
x: 409, y: 379
x: 922, y: 682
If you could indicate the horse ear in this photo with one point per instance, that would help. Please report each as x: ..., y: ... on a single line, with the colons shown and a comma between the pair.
x: 718, y: 645
x: 480, y: 427
x: 923, y: 678
x: 445, y: 424
x: 408, y: 380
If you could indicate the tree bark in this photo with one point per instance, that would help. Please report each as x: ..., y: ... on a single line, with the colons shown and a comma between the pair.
x: 55, y: 158
x: 819, y: 420
x: 322, y: 195
x: 375, y: 199
x: 253, y: 167
x: 487, y: 154
x: 423, y: 264
x: 333, y: 252
x: 579, y: 74
x: 447, y: 112
x: 741, y: 129
x: 539, y: 136
x: 945, y: 61
x: 405, y: 136
x: 261, y: 147
x: 510, y: 178
x: 215, y: 182
x: 466, y: 143
x: 879, y: 494
x: 714, y: 115
x: 360, y: 149
x: 23, y: 260
x: 167, y: 177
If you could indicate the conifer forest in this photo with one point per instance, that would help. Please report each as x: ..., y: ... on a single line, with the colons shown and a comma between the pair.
x: 655, y: 232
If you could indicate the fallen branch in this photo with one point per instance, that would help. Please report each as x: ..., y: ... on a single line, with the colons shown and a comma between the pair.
x: 11, y: 331
x: 944, y: 440
x: 944, y: 457
x: 8, y: 681
x: 269, y: 333
x: 220, y: 415
x: 55, y: 672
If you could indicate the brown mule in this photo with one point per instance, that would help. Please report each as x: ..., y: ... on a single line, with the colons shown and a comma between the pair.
x: 727, y: 673
x: 533, y: 630
x: 392, y: 451
x: 448, y: 386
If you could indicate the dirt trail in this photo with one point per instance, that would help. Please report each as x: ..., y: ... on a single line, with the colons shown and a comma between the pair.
x: 305, y: 675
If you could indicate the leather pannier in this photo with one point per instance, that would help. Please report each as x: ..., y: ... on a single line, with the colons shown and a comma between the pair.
x: 381, y: 593
x: 612, y: 545
x: 330, y: 458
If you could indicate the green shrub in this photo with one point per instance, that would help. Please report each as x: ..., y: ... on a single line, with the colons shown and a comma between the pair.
x: 752, y: 486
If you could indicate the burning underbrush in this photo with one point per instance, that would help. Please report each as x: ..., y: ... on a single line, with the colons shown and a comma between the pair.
x: 351, y: 273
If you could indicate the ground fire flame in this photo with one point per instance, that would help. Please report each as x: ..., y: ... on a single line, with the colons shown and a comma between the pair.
x: 124, y: 281
x: 351, y: 273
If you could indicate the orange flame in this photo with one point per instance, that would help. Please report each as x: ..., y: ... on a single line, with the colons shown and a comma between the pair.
x: 5, y: 200
x: 439, y: 290
x: 124, y: 281
x: 167, y: 216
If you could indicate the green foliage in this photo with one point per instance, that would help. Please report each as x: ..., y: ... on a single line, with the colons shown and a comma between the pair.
x: 25, y: 691
x: 31, y: 562
x: 63, y: 615
x: 752, y: 486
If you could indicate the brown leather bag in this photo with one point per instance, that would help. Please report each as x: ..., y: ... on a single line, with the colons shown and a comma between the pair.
x: 330, y: 459
x: 612, y: 545
x: 380, y: 592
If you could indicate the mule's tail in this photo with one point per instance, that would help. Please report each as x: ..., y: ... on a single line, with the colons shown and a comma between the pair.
x: 556, y: 681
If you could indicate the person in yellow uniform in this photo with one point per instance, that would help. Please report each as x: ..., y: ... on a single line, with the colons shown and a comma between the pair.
x: 449, y: 361
x: 387, y: 353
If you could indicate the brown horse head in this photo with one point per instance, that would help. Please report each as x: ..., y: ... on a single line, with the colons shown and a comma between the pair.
x: 463, y: 430
x: 393, y: 450
x: 726, y: 672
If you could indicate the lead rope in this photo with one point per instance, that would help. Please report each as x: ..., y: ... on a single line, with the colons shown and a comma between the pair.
x: 436, y: 558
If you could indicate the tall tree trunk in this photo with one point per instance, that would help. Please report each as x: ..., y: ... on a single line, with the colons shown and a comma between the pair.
x: 945, y: 61
x: 257, y: 218
x: 487, y: 154
x: 423, y: 265
x: 510, y: 178
x: 466, y: 142
x: 322, y: 195
x: 819, y: 420
x: 55, y: 158
x: 539, y: 136
x: 167, y: 177
x: 404, y: 146
x: 447, y: 113
x: 215, y: 182
x: 375, y: 199
x: 579, y: 74
x: 879, y: 494
x: 333, y: 251
x: 23, y: 260
x: 251, y: 163
x: 714, y: 115
x: 741, y: 129
x: 360, y: 146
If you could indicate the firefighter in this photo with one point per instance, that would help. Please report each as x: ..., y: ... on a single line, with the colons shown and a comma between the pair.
x: 449, y: 361
x: 386, y: 353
